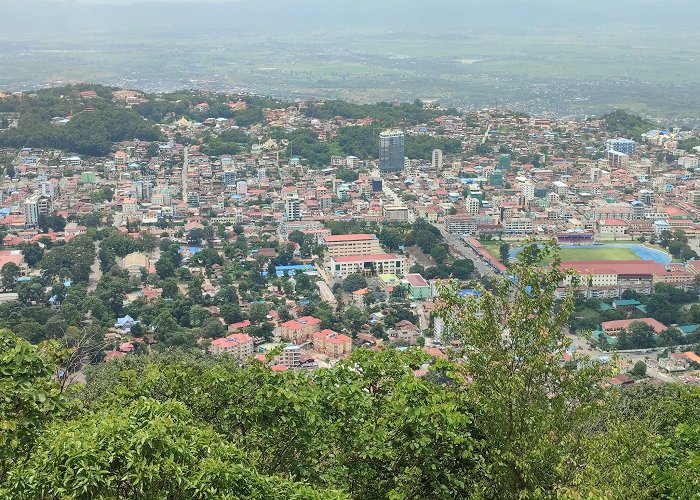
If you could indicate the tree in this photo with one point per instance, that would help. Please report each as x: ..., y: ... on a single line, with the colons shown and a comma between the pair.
x: 9, y: 274
x: 527, y: 399
x: 194, y: 290
x: 462, y: 269
x: 439, y: 253
x: 232, y: 313
x: 182, y: 459
x: 165, y: 325
x: 354, y: 282
x: 32, y: 252
x: 170, y: 288
x: 165, y: 267
x: 258, y: 313
x: 31, y: 397
x: 640, y: 369
x: 504, y: 251
x: 30, y: 292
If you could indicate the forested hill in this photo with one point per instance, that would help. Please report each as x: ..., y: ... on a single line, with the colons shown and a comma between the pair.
x: 89, y: 119
x: 95, y: 122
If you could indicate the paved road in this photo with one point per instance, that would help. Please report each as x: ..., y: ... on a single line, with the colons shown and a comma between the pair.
x: 326, y: 293
x: 95, y: 271
x: 630, y: 359
x: 466, y: 252
x: 395, y: 198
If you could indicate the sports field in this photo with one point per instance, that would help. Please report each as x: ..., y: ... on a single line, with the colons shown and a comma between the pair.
x: 569, y: 254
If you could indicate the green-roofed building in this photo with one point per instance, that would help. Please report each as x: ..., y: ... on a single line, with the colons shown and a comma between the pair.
x: 626, y: 304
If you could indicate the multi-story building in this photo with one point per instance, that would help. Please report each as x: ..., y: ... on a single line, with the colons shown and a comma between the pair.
x: 333, y: 344
x: 367, y: 265
x: 618, y: 159
x: 292, y: 207
x: 299, y: 330
x: 518, y: 226
x: 626, y: 146
x: 613, y: 328
x: 238, y: 345
x: 35, y: 206
x: 351, y: 244
x: 460, y: 224
x: 613, y: 229
x: 391, y: 151
x: 472, y: 205
x: 395, y: 213
x: 290, y: 356
x: 437, y: 159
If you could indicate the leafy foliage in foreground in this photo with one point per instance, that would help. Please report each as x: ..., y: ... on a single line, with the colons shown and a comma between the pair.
x: 511, y: 419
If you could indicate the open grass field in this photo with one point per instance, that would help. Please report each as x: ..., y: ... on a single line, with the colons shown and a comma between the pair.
x: 578, y: 254
x: 492, y: 247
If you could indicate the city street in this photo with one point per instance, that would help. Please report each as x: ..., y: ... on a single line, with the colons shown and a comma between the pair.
x: 466, y: 252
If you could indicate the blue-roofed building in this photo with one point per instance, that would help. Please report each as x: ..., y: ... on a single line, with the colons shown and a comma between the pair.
x: 687, y: 329
x: 125, y: 323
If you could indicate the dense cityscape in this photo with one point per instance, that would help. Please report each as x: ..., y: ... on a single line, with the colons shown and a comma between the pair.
x: 232, y: 239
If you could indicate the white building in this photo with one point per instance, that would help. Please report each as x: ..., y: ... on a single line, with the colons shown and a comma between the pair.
x: 472, y: 205
x: 367, y: 265
x: 437, y: 159
x: 292, y: 207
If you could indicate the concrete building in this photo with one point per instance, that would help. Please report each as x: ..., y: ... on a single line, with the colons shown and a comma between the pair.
x: 333, y: 344
x: 460, y: 224
x: 34, y: 206
x: 626, y: 146
x: 292, y: 207
x: 395, y: 213
x: 351, y: 244
x: 437, y: 159
x: 518, y: 226
x: 134, y: 262
x: 238, y: 345
x: 391, y: 151
x: 418, y: 288
x: 472, y: 205
x: 613, y: 229
x: 367, y: 265
x: 299, y: 330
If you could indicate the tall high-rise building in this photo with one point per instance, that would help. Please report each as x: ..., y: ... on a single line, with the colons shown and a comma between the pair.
x: 292, y: 207
x: 626, y: 146
x: 34, y: 206
x: 391, y: 151
x: 437, y: 159
x: 143, y: 190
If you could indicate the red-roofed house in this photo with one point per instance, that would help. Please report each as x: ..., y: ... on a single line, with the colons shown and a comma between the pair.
x: 299, y: 330
x: 332, y: 343
x: 612, y: 328
x: 234, y: 327
x: 238, y: 345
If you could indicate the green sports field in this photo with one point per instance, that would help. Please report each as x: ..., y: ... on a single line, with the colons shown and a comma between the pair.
x: 569, y: 254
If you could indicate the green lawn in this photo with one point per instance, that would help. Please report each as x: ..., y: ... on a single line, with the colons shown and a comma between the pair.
x: 493, y: 248
x: 598, y: 254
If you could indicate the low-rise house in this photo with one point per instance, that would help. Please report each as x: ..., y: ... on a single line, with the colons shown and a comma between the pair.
x: 125, y: 324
